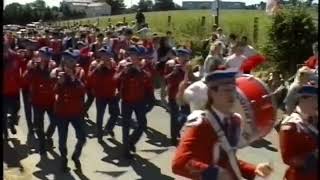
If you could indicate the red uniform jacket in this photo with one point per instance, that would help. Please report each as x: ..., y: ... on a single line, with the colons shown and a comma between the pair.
x: 312, y: 62
x: 103, y: 83
x: 173, y: 79
x: 69, y: 97
x: 297, y: 146
x: 12, y: 78
x: 41, y: 86
x: 195, y: 152
x: 23, y: 68
x: 134, y: 87
x: 149, y: 67
x: 43, y: 41
x: 56, y: 45
x: 85, y: 59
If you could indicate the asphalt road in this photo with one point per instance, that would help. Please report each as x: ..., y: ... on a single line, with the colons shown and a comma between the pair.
x: 103, y: 162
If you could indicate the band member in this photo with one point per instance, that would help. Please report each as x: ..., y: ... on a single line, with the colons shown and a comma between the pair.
x: 69, y: 105
x: 56, y: 45
x: 42, y: 94
x: 205, y: 154
x: 11, y: 88
x: 136, y: 92
x: 175, y: 73
x: 104, y: 87
x: 299, y: 137
x: 31, y: 46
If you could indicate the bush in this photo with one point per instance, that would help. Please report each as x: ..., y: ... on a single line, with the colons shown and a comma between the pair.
x: 290, y: 39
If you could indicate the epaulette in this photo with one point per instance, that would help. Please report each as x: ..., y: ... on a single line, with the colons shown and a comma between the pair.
x: 195, y: 118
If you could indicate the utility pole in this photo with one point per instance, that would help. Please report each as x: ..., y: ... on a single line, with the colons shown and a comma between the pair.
x: 218, y: 7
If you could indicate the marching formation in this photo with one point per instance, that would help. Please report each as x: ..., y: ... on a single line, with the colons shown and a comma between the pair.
x: 63, y: 74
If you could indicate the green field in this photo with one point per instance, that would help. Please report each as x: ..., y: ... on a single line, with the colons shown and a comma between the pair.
x: 186, y: 25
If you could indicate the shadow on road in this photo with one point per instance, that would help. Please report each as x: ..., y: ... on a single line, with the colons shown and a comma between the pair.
x: 148, y: 170
x: 11, y: 156
x: 114, y: 174
x: 262, y: 143
x: 114, y: 155
x: 51, y: 167
x: 156, y: 138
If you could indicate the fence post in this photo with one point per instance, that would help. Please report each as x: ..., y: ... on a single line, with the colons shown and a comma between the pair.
x: 124, y: 19
x: 109, y: 20
x: 98, y: 21
x: 169, y: 20
x: 216, y: 20
x: 88, y: 22
x: 203, y: 20
x: 255, y: 30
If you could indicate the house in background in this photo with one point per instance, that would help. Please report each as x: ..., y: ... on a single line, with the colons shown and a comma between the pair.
x: 92, y: 8
x: 209, y: 4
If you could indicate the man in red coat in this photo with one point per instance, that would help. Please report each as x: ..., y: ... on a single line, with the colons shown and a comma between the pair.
x: 11, y: 88
x: 42, y: 95
x: 204, y: 154
x: 136, y: 92
x: 104, y: 87
x: 299, y: 137
x: 69, y: 105
x: 175, y: 70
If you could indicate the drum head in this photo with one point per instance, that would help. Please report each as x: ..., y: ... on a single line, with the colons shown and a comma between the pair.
x: 256, y: 107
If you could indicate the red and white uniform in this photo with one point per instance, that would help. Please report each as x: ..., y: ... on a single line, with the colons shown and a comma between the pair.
x: 12, y: 78
x: 173, y: 80
x: 299, y: 146
x: 199, y: 148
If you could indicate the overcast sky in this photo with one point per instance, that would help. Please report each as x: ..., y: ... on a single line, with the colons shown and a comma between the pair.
x: 127, y: 2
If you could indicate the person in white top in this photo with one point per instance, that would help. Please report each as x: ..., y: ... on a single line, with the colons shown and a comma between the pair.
x: 221, y: 36
x: 248, y: 50
x: 237, y: 58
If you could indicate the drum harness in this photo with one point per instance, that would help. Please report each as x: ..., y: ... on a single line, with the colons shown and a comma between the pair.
x: 230, y: 151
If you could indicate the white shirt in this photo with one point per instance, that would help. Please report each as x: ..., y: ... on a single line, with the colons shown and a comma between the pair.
x: 219, y: 114
x: 249, y: 51
x: 196, y: 95
x: 234, y: 61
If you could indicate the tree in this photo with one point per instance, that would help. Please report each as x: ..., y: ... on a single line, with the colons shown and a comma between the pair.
x: 263, y: 5
x: 162, y: 5
x: 290, y: 38
x: 117, y: 6
x: 12, y: 13
x: 145, y: 5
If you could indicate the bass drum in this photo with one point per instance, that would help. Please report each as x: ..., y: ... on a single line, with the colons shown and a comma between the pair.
x: 256, y: 104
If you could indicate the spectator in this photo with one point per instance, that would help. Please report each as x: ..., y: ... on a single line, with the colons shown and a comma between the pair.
x: 140, y: 19
x: 214, y: 58
x: 221, y: 36
x: 302, y: 78
x: 248, y: 50
x: 237, y: 58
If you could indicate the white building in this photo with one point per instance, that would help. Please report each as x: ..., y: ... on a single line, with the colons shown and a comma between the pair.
x: 91, y: 7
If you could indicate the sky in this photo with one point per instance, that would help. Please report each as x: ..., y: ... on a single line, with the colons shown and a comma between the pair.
x: 127, y: 2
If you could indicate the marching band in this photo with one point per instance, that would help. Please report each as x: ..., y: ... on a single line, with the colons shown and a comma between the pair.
x: 211, y: 115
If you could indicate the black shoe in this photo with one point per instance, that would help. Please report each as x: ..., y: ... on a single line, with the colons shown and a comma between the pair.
x: 50, y: 143
x: 15, y: 119
x: 132, y: 148
x: 110, y: 132
x: 174, y: 142
x: 100, y: 140
x: 128, y: 155
x: 5, y: 137
x: 64, y: 165
x: 76, y: 162
x: 13, y: 129
x: 43, y: 153
x: 86, y: 116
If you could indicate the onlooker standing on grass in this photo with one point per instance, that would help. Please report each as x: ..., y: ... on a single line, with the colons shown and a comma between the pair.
x: 214, y: 58
x: 221, y: 36
x: 237, y: 58
x: 140, y: 19
x: 207, y: 44
x: 171, y: 39
x: 248, y: 50
x: 302, y: 78
x: 231, y: 42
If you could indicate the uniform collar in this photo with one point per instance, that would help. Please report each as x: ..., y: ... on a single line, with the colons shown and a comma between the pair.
x: 221, y: 115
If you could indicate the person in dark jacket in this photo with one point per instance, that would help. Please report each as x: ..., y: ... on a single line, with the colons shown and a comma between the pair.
x: 104, y: 88
x: 42, y: 95
x: 136, y: 92
x: 69, y: 105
